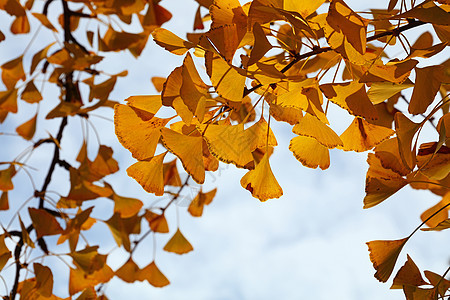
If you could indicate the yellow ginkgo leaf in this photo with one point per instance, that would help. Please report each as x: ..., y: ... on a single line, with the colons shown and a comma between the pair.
x: 408, y: 274
x: 405, y: 130
x: 427, y: 11
x: 202, y: 199
x: 125, y: 206
x: 157, y: 223
x: 380, y: 91
x: 290, y: 115
x: 379, y: 189
x: 395, y: 72
x: 352, y: 97
x: 178, y: 244
x: 20, y: 25
x: 4, y: 202
x: 6, y: 176
x: 142, y: 140
x: 149, y: 174
x: 227, y: 80
x: 31, y: 94
x: 441, y: 226
x: 261, y: 45
x: 362, y: 136
x: 433, y: 162
x: 438, y: 281
x: 437, y: 213
x: 8, y: 101
x: 426, y: 86
x: 261, y: 182
x: 229, y: 143
x: 170, y: 173
x: 79, y: 280
x: 44, y: 280
x: 189, y: 151
x: 260, y: 135
x: 147, y: 104
x: 12, y: 71
x: 27, y: 129
x: 388, y: 154
x: 310, y: 152
x: 377, y: 170
x: 153, y: 275
x: 170, y: 41
x: 129, y: 271
x: 304, y: 8
x: 311, y: 126
x: 383, y: 255
x: 44, y: 21
x: 44, y: 223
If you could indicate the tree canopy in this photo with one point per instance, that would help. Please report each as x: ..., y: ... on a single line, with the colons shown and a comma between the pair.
x: 246, y: 66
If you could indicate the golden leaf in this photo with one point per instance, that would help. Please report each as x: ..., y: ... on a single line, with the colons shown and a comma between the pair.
x: 310, y: 152
x: 409, y: 274
x: 311, y: 126
x: 27, y: 129
x: 44, y: 223
x: 189, y: 151
x: 178, y: 244
x: 202, y: 199
x: 12, y: 71
x: 170, y: 41
x: 405, y: 130
x: 379, y: 189
x: 261, y: 182
x: 383, y: 255
x: 153, y: 275
x: 44, y: 280
x: 149, y: 174
x: 362, y: 136
x: 6, y: 176
x: 157, y: 223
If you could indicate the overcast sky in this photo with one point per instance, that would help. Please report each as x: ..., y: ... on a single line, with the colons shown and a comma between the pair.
x: 308, y: 244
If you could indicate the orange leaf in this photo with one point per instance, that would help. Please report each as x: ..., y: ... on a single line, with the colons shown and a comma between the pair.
x: 44, y: 21
x: 126, y: 207
x: 142, y: 140
x: 362, y: 136
x: 261, y: 45
x: 27, y: 129
x: 12, y: 71
x: 379, y: 189
x: 202, y: 199
x: 170, y: 173
x: 153, y: 275
x: 310, y: 152
x: 189, y: 151
x: 405, y: 130
x: 25, y: 235
x: 129, y: 271
x: 311, y: 126
x: 170, y: 41
x: 4, y: 203
x: 79, y: 280
x: 44, y: 280
x: 439, y: 216
x: 428, y: 82
x: 44, y: 223
x: 383, y: 255
x: 149, y: 174
x: 20, y: 25
x: 157, y: 223
x: 441, y: 226
x: 438, y: 281
x: 6, y: 176
x: 31, y: 94
x: 8, y: 101
x: 388, y: 154
x: 178, y: 244
x: 261, y: 182
x: 409, y: 274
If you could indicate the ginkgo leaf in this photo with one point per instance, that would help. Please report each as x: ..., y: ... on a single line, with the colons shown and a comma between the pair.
x: 405, y: 130
x: 5, y: 254
x: 227, y: 80
x: 380, y: 91
x: 428, y: 82
x: 27, y: 129
x: 196, y: 206
x: 20, y: 25
x: 230, y: 143
x: 6, y: 176
x: 4, y: 202
x: 170, y: 41
x: 149, y: 174
x: 352, y: 97
x: 170, y: 173
x: 8, y: 100
x: 12, y: 71
x: 427, y: 12
x: 310, y: 126
x: 310, y: 152
x: 44, y: 280
x: 260, y: 135
x: 304, y: 8
x: 362, y: 136
x: 44, y: 21
x: 189, y: 151
x: 408, y: 274
x: 31, y: 94
x: 142, y: 140
x: 437, y: 213
x: 88, y: 259
x: 79, y: 280
x: 129, y: 271
x: 383, y: 255
x: 439, y: 282
x: 432, y: 162
x: 395, y: 71
x: 178, y: 244
x: 388, y: 154
x: 441, y: 226
x: 44, y: 223
x: 157, y: 223
x: 261, y: 182
x: 154, y: 276
x: 377, y: 170
x: 290, y: 115
x: 121, y: 228
x: 25, y: 235
x: 125, y: 206
x: 261, y: 45
x: 343, y: 19
x: 379, y: 189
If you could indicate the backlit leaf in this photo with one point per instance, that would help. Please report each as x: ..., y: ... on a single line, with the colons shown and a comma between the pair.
x: 6, y: 176
x: 261, y: 45
x: 44, y: 223
x: 202, y: 199
x: 154, y: 276
x: 362, y: 136
x: 261, y: 182
x: 379, y: 189
x: 310, y: 126
x: 409, y: 274
x: 157, y: 223
x: 12, y: 71
x: 149, y: 174
x: 27, y: 129
x: 310, y: 152
x: 178, y: 244
x: 441, y: 226
x: 44, y: 280
x: 383, y: 255
x: 171, y: 42
x: 437, y: 213
x: 405, y: 130
x: 4, y: 202
x: 25, y: 235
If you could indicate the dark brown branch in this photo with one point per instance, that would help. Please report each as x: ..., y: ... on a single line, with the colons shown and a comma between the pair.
x: 317, y: 50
